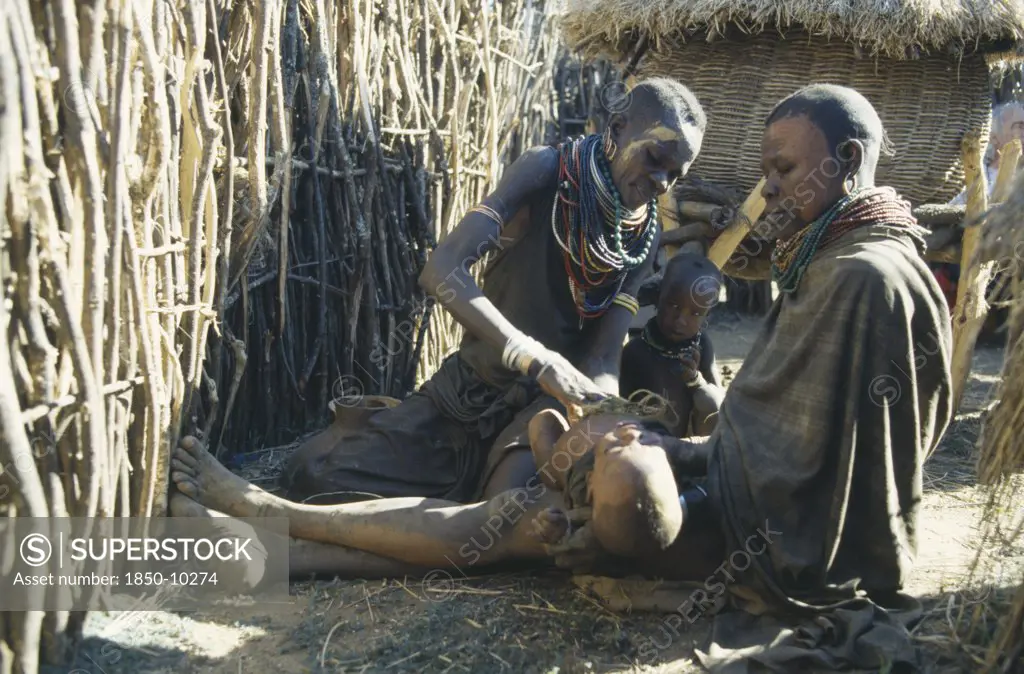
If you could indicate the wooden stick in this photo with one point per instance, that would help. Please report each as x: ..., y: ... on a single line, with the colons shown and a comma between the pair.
x: 34, y: 414
x: 939, y: 215
x: 82, y: 148
x: 970, y: 309
x: 1009, y: 157
x: 283, y: 148
x: 227, y: 213
x: 203, y: 203
x: 39, y: 377
x: 258, y: 107
x: 90, y: 470
x: 160, y: 145
x: 751, y: 210
x: 29, y: 498
x: 321, y: 107
x: 119, y: 207
x: 238, y: 349
x: 155, y: 385
x: 491, y: 100
x: 159, y: 251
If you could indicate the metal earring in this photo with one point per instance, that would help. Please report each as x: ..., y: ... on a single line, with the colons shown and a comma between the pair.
x: 609, y: 146
x: 849, y: 185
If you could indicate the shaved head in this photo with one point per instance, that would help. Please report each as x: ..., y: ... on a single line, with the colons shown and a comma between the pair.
x: 636, y: 509
x: 689, y: 273
x: 661, y: 97
x: 654, y: 134
x: 819, y: 144
x: 842, y: 114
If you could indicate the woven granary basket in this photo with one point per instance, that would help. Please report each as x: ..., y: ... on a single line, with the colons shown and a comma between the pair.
x: 926, y: 105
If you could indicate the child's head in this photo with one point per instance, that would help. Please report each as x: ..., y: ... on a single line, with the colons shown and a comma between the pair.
x: 689, y: 289
x: 636, y: 509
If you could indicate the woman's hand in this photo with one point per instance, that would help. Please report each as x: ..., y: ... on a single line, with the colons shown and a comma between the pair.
x: 560, y: 379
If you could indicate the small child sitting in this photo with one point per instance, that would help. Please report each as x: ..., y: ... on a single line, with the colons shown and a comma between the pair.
x: 672, y: 356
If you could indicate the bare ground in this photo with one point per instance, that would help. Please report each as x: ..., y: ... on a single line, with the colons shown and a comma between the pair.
x: 540, y: 622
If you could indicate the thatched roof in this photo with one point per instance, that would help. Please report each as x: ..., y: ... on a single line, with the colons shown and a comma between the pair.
x: 895, y: 28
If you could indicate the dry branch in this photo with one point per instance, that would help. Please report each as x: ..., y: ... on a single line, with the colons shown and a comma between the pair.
x: 971, y: 306
x: 939, y: 215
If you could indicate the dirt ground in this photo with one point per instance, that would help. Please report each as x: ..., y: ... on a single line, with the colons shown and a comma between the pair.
x: 535, y: 622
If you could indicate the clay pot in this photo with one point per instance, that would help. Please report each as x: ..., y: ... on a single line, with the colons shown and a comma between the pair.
x: 351, y: 414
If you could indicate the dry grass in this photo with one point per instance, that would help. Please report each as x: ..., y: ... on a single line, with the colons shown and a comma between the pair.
x: 991, y: 630
x: 891, y: 29
x: 972, y: 623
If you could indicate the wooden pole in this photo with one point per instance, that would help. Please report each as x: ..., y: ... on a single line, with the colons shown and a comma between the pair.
x: 1009, y: 157
x: 724, y: 246
x: 668, y: 213
x: 971, y: 308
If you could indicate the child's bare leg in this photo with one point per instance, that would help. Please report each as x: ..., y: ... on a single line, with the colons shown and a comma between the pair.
x: 419, y: 531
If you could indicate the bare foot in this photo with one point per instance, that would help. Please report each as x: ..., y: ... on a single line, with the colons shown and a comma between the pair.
x: 204, y: 479
x: 182, y: 506
x: 236, y: 576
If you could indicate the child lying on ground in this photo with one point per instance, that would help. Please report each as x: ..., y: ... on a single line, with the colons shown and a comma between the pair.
x: 672, y: 356
x: 636, y: 488
x: 625, y: 480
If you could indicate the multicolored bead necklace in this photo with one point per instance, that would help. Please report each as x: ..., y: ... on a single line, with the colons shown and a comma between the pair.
x: 864, y: 206
x: 600, y: 240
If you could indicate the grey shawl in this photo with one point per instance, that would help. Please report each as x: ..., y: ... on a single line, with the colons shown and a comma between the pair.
x: 821, y: 439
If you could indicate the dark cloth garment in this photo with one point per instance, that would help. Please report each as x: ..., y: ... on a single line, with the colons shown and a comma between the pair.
x: 576, y: 482
x: 862, y: 636
x: 438, y: 442
x: 433, y: 444
x: 515, y: 437
x: 821, y: 440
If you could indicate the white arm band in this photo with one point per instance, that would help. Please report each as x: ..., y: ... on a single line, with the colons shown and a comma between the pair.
x: 520, y: 352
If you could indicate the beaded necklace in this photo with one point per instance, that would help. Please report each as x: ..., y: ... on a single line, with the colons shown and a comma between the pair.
x: 653, y: 337
x: 864, y: 206
x: 601, y: 241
